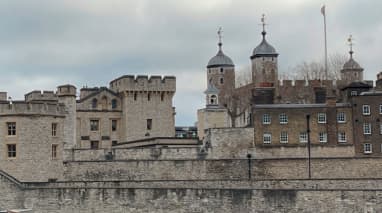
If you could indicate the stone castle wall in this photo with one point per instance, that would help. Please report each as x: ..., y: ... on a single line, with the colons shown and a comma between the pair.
x: 221, y: 169
x: 33, y: 140
x: 343, y: 195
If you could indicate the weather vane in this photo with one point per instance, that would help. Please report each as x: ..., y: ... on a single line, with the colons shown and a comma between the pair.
x: 220, y: 34
x: 263, y: 21
x: 350, y: 41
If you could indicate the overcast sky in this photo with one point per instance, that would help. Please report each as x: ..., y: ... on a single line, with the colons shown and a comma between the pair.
x: 45, y: 43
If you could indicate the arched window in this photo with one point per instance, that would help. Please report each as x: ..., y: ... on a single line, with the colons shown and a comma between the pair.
x: 114, y: 103
x: 221, y: 80
x: 213, y: 99
x: 221, y: 70
x: 94, y: 103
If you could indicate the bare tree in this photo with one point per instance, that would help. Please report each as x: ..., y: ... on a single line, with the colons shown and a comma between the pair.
x: 238, y: 103
x: 243, y: 76
x: 316, y: 69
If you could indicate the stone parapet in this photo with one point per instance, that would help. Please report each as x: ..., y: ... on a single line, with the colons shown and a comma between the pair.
x: 144, y: 83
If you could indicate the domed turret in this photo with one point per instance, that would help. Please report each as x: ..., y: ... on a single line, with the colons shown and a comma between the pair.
x: 351, y: 71
x: 264, y: 63
x: 264, y: 49
x: 220, y: 60
x: 221, y: 74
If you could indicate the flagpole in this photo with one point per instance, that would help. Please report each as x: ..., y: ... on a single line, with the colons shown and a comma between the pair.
x: 326, y: 45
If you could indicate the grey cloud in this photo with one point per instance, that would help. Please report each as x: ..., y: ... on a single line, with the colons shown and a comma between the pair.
x: 91, y: 42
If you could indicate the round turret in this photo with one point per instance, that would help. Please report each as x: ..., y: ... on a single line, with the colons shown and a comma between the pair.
x: 264, y: 49
x: 66, y: 90
x: 220, y: 59
x: 351, y: 71
x: 351, y: 64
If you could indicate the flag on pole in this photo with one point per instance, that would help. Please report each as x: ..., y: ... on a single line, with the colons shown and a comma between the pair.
x: 323, y: 10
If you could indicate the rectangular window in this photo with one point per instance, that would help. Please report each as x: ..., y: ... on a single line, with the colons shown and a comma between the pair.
x: 303, y: 137
x: 367, y: 128
x: 321, y: 117
x: 11, y: 149
x: 380, y: 128
x: 323, y: 137
x: 11, y: 128
x: 380, y: 109
x: 367, y: 148
x: 267, y: 138
x: 366, y: 109
x: 94, y: 125
x: 54, y: 151
x: 283, y: 118
x: 341, y: 117
x: 54, y: 129
x: 353, y: 93
x: 149, y: 124
x: 113, y: 125
x: 342, y: 137
x: 284, y: 137
x: 94, y: 144
x: 113, y: 143
x: 266, y: 118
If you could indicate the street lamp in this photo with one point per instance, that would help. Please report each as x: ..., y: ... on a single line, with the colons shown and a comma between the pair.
x: 308, y: 132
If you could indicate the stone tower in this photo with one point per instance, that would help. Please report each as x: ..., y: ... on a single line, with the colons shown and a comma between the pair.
x: 351, y: 70
x: 147, y: 109
x: 264, y: 63
x: 67, y: 95
x: 221, y: 74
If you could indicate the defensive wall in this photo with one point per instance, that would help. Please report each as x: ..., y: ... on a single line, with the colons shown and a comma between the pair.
x: 23, y: 108
x: 233, y: 169
x: 298, y: 195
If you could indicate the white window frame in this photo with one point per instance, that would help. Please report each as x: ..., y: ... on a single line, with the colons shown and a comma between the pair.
x: 342, y: 137
x: 11, y: 129
x: 366, y: 109
x: 283, y: 137
x: 303, y: 137
x: 367, y: 128
x: 321, y: 118
x: 267, y: 136
x: 283, y: 118
x: 323, y: 137
x: 367, y: 148
x: 341, y: 117
x: 266, y: 118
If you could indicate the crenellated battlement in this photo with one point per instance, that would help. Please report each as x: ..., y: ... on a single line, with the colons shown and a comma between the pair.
x: 144, y: 83
x: 31, y: 108
x: 315, y: 83
x: 38, y: 95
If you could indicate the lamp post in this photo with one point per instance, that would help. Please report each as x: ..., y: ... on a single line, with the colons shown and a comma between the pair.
x: 249, y: 156
x: 308, y: 133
